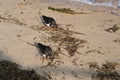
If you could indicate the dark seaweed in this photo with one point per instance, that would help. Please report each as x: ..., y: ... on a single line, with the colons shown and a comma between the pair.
x: 106, y: 72
x: 11, y: 71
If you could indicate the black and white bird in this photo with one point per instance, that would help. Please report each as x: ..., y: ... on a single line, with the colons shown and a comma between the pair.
x: 45, y: 51
x: 49, y: 21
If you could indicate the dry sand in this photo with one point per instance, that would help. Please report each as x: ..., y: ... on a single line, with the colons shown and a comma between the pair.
x: 20, y: 23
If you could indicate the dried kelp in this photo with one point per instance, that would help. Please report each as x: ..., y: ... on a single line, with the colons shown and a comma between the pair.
x: 9, y: 19
x: 112, y: 29
x: 117, y: 41
x: 63, y: 10
x: 106, y: 72
x: 72, y: 44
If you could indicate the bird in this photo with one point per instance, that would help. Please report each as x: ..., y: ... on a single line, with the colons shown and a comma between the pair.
x: 49, y: 21
x: 45, y: 51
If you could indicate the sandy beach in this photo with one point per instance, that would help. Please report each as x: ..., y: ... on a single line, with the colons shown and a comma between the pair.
x: 20, y: 23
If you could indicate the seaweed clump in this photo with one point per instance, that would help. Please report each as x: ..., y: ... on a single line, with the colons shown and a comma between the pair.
x: 63, y: 10
x: 115, y: 28
x: 117, y: 41
x: 70, y: 44
x: 10, y: 19
x: 11, y: 71
x: 106, y: 72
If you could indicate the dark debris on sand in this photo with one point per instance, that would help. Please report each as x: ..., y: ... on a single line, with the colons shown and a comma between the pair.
x: 63, y: 10
x: 112, y: 29
x: 108, y: 71
x: 11, y: 19
x: 70, y: 44
x: 11, y: 71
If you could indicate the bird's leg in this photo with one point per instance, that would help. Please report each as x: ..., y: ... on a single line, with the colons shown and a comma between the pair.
x: 43, y: 59
x: 49, y: 63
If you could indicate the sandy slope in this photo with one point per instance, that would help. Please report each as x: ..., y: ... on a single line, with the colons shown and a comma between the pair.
x: 19, y: 24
